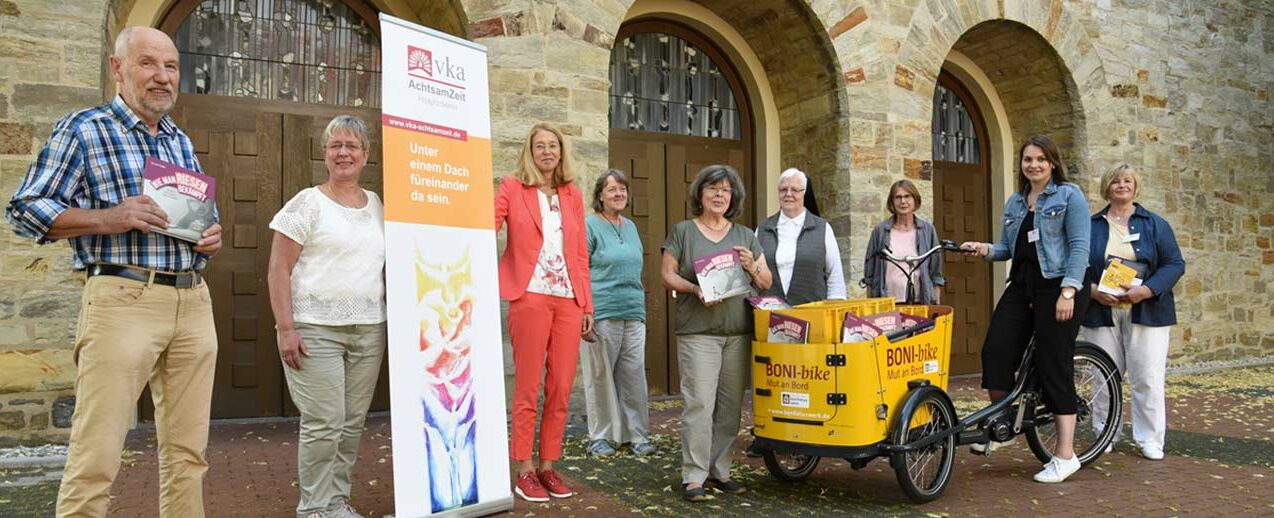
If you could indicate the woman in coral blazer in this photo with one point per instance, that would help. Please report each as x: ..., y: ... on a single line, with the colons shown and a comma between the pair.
x: 544, y: 276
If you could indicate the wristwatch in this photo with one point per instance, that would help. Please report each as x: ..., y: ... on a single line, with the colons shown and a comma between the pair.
x: 1068, y: 294
x: 756, y: 269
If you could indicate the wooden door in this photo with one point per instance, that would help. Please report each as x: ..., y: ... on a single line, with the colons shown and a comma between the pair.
x: 643, y: 161
x: 963, y: 213
x: 303, y: 167
x: 240, y: 146
x: 661, y: 169
x: 261, y: 153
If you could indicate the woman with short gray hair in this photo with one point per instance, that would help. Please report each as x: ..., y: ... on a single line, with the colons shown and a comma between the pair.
x: 327, y: 291
x: 713, y: 336
x: 800, y: 247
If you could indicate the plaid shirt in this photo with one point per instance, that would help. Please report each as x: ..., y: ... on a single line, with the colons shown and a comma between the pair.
x: 94, y: 160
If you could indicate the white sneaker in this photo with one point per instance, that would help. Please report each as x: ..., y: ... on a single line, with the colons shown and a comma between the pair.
x: 1151, y: 452
x: 344, y: 510
x: 990, y: 446
x: 1058, y: 470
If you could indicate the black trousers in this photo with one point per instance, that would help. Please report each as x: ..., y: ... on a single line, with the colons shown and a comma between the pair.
x: 1028, y: 307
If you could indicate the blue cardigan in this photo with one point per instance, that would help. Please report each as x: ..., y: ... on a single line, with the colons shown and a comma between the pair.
x: 1157, y: 248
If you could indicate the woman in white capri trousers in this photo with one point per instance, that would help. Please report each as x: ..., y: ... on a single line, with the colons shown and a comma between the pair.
x: 1134, y: 328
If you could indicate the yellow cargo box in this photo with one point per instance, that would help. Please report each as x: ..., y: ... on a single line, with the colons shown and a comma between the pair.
x: 825, y: 317
x: 835, y: 394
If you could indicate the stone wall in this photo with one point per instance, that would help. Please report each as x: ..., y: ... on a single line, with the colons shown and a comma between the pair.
x: 1180, y: 90
x: 50, y: 65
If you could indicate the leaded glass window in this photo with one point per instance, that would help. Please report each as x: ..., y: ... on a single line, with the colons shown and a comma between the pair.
x: 662, y: 83
x: 310, y: 51
x: 954, y: 137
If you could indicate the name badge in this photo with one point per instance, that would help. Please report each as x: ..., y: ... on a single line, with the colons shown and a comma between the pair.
x: 1132, y: 237
x: 1033, y: 235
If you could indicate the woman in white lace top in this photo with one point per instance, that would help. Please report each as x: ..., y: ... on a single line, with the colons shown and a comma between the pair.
x: 327, y: 291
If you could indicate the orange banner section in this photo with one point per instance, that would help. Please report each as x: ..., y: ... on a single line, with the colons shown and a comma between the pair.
x: 438, y: 181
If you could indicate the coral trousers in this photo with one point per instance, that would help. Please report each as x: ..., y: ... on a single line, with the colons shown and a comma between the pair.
x: 545, y: 332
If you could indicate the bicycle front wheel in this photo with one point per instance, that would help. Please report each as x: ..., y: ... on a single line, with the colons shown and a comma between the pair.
x: 1101, y: 400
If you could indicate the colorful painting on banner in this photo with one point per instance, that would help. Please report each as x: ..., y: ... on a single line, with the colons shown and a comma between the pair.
x: 449, y: 429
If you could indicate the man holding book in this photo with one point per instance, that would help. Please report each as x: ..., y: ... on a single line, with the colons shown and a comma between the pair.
x: 146, y: 315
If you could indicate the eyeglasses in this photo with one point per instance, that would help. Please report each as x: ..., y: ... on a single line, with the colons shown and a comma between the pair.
x: 543, y: 147
x: 337, y: 146
x: 718, y: 190
x: 902, y: 197
x: 790, y: 190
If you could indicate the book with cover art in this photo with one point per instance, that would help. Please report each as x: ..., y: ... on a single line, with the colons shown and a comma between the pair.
x: 188, y: 197
x: 887, y: 321
x: 857, y: 330
x: 768, y: 302
x: 911, y: 325
x: 721, y: 275
x: 786, y: 329
x: 1119, y: 273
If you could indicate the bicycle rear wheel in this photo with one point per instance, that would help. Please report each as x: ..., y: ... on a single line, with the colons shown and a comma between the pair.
x: 1101, y: 400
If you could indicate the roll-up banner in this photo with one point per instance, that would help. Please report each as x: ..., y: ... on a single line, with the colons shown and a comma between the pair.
x: 446, y: 379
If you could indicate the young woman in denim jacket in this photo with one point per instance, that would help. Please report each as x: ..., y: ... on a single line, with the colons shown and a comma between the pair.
x: 1135, y: 328
x: 1046, y: 233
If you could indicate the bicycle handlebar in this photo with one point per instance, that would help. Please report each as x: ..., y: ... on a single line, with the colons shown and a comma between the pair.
x: 944, y: 244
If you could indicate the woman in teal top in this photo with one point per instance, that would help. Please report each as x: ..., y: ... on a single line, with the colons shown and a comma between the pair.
x: 614, y: 356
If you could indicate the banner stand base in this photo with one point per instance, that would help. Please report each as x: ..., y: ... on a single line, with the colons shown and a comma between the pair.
x: 480, y: 509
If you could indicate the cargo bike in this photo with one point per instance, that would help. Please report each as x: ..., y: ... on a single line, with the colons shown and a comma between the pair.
x: 887, y: 398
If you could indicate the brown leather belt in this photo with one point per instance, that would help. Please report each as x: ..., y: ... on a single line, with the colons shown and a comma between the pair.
x: 176, y: 280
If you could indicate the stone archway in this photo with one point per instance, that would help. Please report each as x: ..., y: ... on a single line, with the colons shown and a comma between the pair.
x: 260, y: 139
x: 794, y: 113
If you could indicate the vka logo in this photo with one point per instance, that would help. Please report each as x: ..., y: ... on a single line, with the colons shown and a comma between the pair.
x: 420, y: 60
x: 421, y: 64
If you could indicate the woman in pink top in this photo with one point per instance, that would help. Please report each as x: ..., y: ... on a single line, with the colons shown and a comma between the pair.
x: 904, y: 234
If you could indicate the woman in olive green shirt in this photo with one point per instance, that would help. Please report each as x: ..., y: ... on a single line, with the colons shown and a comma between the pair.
x: 713, y: 338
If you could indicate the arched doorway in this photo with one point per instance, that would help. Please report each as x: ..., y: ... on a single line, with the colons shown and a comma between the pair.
x: 962, y: 212
x: 259, y: 82
x: 676, y: 105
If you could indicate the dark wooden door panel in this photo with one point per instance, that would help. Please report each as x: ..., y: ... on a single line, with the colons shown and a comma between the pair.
x: 686, y: 157
x: 661, y: 168
x: 240, y: 146
x: 643, y: 161
x: 303, y: 167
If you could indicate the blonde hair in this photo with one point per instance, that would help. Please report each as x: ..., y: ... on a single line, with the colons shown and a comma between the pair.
x: 526, y: 171
x: 1110, y: 176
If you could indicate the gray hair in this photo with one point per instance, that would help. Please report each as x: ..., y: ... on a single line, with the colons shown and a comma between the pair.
x: 351, y: 124
x: 711, y: 175
x: 793, y: 172
x: 121, y: 42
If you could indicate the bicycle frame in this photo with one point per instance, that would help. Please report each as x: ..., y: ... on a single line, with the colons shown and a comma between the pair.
x: 1025, y: 374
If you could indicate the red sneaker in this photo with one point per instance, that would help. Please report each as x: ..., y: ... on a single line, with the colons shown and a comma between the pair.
x: 528, y: 487
x: 554, y: 484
